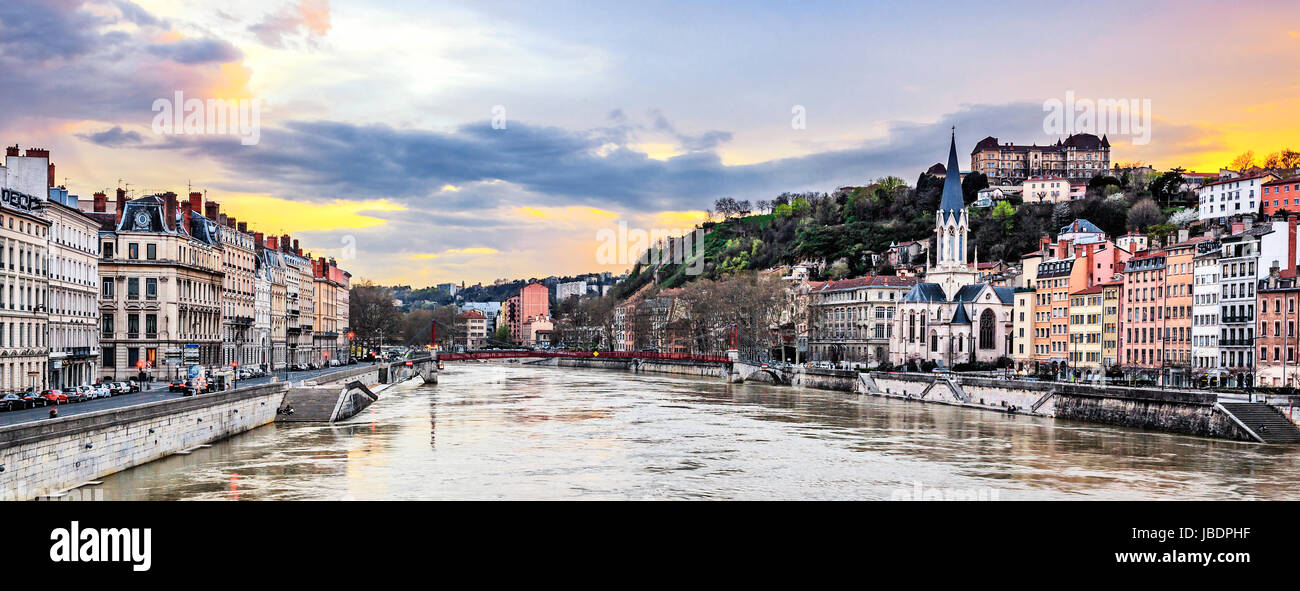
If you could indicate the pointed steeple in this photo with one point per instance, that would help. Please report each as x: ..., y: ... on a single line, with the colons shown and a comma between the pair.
x: 952, y: 198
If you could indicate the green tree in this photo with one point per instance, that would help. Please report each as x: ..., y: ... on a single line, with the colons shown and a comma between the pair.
x: 503, y: 336
x: 1005, y: 213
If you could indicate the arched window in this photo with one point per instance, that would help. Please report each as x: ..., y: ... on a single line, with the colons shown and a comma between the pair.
x: 911, y: 327
x: 986, y: 329
x: 934, y: 341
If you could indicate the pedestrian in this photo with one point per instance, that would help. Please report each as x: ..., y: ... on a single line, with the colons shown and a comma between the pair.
x: 54, y: 413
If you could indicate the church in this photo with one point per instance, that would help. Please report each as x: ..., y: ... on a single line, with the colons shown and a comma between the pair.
x: 952, y: 318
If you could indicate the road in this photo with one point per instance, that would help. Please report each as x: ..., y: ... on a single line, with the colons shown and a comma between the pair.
x: 158, y: 392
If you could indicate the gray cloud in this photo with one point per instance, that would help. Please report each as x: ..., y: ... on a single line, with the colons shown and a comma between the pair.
x: 552, y: 166
x: 198, y: 51
x: 67, y: 64
x: 112, y: 137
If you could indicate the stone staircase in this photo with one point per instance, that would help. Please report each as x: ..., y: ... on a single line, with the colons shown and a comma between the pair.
x: 1268, y: 423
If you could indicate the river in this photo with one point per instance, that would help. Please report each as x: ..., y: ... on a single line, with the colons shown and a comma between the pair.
x: 505, y: 431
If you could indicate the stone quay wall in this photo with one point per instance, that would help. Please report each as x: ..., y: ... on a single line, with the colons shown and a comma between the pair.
x: 45, y: 457
x: 824, y: 379
x: 688, y: 368
x: 1175, y: 411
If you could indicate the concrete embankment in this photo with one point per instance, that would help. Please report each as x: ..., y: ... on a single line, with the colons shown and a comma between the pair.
x: 1174, y: 411
x: 337, y: 397
x: 46, y: 457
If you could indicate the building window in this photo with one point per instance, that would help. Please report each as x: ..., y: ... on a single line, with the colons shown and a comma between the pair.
x: 110, y: 357
x: 986, y: 329
x: 107, y: 325
x: 133, y: 288
x: 133, y: 251
x: 106, y: 288
x: 151, y: 251
x: 151, y: 288
x: 107, y: 250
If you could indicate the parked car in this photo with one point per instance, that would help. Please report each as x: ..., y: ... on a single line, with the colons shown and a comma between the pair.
x: 54, y: 397
x: 88, y: 392
x: 176, y: 386
x: 12, y: 401
x: 133, y: 385
x: 33, y: 398
x: 104, y: 391
x: 74, y: 394
x: 335, y: 363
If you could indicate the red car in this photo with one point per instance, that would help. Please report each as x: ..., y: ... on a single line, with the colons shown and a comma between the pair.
x: 54, y: 397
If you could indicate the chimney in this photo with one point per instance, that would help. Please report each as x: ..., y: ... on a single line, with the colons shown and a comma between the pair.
x: 1238, y: 226
x: 332, y: 263
x: 273, y: 243
x: 170, y: 199
x: 121, y: 204
x: 284, y: 242
x: 243, y: 227
x: 257, y: 237
x: 51, y: 175
x: 296, y: 250
x: 11, y: 150
x: 211, y: 210
x: 196, y: 201
x: 101, y: 202
x: 223, y: 220
x: 187, y: 214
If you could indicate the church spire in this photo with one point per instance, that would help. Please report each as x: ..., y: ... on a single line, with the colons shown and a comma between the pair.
x: 952, y: 197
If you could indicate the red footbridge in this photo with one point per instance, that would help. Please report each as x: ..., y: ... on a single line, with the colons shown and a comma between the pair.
x: 512, y: 353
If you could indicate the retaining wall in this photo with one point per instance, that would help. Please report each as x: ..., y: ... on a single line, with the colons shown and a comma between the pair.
x: 48, y: 456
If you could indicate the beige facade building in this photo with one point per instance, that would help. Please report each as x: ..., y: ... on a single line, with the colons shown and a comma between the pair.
x: 853, y: 319
x: 472, y: 329
x: 238, y: 262
x: 73, y: 300
x: 161, y: 287
x: 1078, y: 158
x: 277, y: 273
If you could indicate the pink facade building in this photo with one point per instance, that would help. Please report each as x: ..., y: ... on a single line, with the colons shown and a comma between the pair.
x: 530, y: 304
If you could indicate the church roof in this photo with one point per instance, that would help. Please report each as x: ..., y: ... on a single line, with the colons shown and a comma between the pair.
x: 960, y: 316
x: 952, y: 196
x: 925, y: 292
x: 933, y: 292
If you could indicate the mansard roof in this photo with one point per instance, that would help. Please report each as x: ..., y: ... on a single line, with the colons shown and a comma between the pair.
x: 1080, y: 225
x: 1086, y: 141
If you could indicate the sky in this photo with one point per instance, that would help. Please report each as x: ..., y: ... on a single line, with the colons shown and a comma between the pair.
x: 431, y: 142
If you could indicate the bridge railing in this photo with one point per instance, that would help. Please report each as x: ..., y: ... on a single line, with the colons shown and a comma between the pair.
x: 656, y: 355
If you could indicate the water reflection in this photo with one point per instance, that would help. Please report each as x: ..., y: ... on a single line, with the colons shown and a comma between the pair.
x: 505, y: 431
